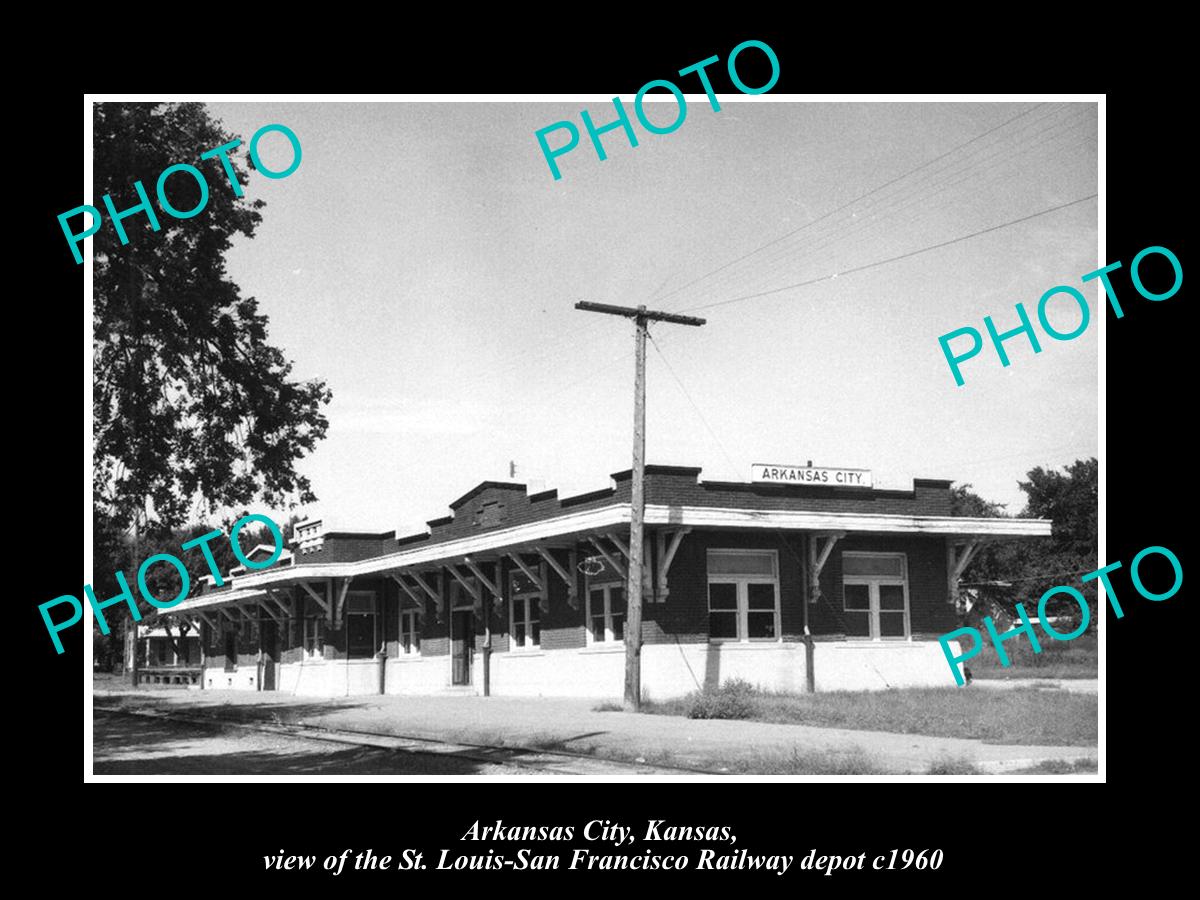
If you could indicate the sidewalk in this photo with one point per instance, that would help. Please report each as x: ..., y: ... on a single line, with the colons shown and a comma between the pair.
x: 1071, y: 685
x: 571, y: 724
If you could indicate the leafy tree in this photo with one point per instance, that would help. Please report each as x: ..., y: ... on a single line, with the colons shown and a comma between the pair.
x: 994, y: 561
x: 1069, y: 499
x: 965, y: 502
x: 192, y: 406
x: 162, y: 579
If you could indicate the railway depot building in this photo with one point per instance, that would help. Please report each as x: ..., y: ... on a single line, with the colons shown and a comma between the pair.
x: 792, y: 586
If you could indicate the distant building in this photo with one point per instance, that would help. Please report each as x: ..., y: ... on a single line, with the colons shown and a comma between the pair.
x: 786, y: 585
x: 162, y: 660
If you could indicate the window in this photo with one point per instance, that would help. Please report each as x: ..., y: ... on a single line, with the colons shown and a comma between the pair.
x: 524, y: 605
x: 875, y: 595
x: 606, y: 613
x: 743, y: 595
x: 361, y: 638
x: 313, y: 630
x: 605, y: 609
x: 410, y: 632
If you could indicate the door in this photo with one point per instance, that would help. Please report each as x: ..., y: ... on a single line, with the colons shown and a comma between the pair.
x: 270, y: 653
x: 462, y: 645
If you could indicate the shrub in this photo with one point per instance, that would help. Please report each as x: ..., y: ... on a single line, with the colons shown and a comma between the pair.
x: 734, y: 699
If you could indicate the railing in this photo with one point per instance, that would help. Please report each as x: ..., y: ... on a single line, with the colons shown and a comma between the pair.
x: 180, y: 675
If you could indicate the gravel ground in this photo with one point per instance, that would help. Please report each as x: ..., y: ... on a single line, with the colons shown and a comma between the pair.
x: 573, y: 724
x: 127, y: 745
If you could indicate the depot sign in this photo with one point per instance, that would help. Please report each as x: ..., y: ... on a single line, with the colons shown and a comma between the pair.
x: 771, y: 474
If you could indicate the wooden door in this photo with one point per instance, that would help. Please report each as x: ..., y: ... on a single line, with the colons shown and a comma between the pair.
x: 269, y: 635
x: 462, y: 645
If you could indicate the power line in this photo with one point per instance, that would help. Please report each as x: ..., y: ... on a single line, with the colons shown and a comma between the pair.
x: 684, y: 390
x: 892, y: 259
x: 877, y: 209
x: 885, y: 211
x: 779, y: 533
x: 1043, y: 577
x: 851, y: 203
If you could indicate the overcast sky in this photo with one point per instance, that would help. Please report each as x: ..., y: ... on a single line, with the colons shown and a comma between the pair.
x: 425, y: 263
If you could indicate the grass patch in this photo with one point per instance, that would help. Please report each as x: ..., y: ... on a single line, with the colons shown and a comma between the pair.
x: 853, y: 761
x: 809, y: 762
x: 608, y: 706
x: 1059, y: 659
x: 1019, y: 716
x: 950, y: 766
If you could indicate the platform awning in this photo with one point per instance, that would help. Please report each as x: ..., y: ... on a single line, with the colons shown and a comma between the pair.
x: 559, y: 532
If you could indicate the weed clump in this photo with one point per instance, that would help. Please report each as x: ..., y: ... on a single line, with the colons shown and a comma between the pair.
x: 733, y: 699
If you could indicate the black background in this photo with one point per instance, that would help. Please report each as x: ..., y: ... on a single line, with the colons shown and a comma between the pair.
x: 1018, y: 835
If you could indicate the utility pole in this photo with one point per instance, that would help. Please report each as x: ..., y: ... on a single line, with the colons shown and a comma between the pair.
x: 633, y: 587
x: 131, y: 627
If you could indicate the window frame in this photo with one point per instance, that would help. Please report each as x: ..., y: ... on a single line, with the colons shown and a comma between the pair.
x: 605, y: 584
x: 873, y: 583
x: 742, y: 590
x: 310, y: 628
x: 414, y: 648
x: 523, y: 597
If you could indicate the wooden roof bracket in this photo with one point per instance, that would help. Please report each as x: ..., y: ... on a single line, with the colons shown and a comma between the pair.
x: 434, y: 595
x: 493, y: 587
x: 668, y: 543
x: 957, y: 562
x: 820, y: 546
x: 567, y: 577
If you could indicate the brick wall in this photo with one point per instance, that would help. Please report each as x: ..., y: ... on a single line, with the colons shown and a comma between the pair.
x: 930, y: 614
x: 684, y: 616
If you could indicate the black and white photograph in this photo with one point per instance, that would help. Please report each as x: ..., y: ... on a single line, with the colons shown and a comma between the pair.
x: 679, y: 435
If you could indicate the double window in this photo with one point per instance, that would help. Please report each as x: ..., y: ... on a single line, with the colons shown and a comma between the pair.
x: 410, y: 632
x: 606, y: 613
x: 362, y: 639
x: 605, y: 605
x: 524, y: 612
x: 314, y: 641
x: 312, y: 628
x: 743, y: 595
x: 875, y: 595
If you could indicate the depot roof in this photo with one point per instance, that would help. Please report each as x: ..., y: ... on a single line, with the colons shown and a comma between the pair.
x: 499, y: 517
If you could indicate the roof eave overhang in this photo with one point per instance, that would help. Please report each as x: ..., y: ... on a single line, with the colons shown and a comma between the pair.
x: 579, y: 524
